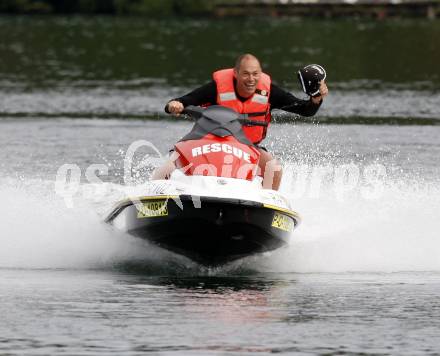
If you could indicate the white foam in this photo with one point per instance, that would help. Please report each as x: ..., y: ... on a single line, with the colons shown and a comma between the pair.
x: 398, y: 231
x: 37, y: 230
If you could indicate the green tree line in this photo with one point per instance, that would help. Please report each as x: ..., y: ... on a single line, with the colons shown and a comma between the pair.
x: 116, y: 7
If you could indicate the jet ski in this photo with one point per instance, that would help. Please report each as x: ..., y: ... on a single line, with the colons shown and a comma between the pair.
x: 212, y: 209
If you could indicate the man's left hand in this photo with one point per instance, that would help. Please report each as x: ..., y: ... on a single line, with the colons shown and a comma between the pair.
x: 323, y: 91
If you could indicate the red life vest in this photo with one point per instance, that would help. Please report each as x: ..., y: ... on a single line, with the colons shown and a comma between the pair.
x: 257, y: 105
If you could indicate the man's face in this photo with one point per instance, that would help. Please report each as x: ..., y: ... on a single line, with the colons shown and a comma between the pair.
x: 247, y: 77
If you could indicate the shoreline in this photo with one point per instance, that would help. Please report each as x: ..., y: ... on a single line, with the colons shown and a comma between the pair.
x: 376, y: 9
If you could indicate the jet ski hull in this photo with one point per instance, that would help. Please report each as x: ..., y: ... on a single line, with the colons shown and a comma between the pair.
x: 209, y: 230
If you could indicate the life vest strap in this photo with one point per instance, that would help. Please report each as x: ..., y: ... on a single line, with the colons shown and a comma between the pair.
x: 253, y: 114
x: 246, y: 122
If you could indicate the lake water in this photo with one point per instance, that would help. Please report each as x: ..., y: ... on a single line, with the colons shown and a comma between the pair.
x: 361, y: 274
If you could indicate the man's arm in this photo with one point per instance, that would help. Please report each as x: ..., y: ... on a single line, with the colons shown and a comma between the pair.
x: 281, y: 99
x: 206, y: 94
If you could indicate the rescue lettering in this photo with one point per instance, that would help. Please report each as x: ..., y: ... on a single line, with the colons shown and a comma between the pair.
x: 221, y: 147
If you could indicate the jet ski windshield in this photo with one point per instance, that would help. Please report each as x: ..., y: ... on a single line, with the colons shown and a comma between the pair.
x: 217, y: 120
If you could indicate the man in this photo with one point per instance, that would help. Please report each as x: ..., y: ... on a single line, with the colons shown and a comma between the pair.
x: 247, y: 90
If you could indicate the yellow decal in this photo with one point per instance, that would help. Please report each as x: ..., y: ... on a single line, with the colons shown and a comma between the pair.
x: 149, y: 209
x: 282, y: 222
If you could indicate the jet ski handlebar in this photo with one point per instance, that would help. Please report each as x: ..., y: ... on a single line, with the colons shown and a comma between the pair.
x: 193, y: 111
x: 196, y: 112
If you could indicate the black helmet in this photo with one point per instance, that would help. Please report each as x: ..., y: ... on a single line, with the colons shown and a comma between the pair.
x: 310, y: 76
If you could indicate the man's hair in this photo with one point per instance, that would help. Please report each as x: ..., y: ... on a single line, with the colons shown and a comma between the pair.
x: 241, y: 58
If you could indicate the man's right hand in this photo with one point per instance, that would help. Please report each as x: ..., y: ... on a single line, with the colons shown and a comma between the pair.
x: 175, y: 107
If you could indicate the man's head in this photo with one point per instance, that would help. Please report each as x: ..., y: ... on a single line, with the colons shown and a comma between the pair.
x: 247, y: 71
